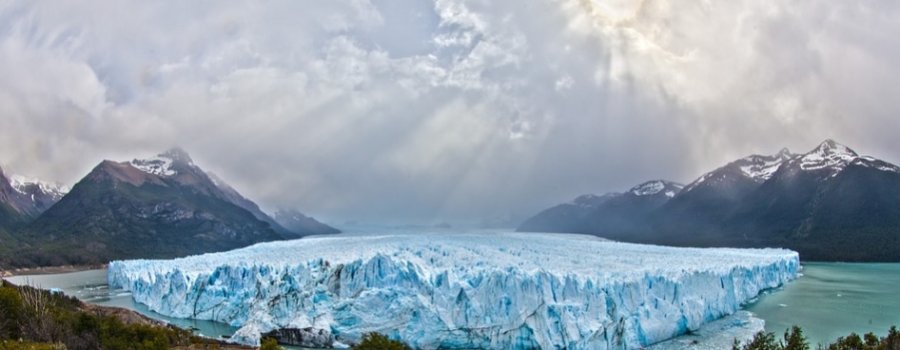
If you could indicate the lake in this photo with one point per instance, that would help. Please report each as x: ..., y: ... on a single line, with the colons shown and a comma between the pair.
x: 828, y: 301
x: 91, y: 287
x: 834, y: 299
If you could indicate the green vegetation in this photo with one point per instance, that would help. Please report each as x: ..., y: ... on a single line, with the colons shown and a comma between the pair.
x: 794, y: 340
x: 21, y: 345
x: 36, y: 319
x: 376, y: 341
x: 269, y: 344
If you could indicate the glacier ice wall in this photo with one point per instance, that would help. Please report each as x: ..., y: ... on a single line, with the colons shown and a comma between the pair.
x: 461, y: 290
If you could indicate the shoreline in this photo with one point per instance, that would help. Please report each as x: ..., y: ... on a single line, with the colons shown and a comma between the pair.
x: 49, y: 270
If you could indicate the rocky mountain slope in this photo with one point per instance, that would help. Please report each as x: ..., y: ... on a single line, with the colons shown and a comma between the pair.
x: 164, y: 206
x: 296, y: 221
x: 23, y: 199
x: 828, y: 204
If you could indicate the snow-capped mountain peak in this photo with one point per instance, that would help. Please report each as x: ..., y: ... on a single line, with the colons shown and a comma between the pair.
x: 760, y: 168
x: 828, y: 154
x: 27, y: 185
x: 163, y: 163
x: 650, y: 188
x: 757, y: 168
x: 161, y: 166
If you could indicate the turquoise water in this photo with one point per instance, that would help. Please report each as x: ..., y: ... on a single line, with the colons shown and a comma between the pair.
x: 828, y: 301
x: 833, y: 299
x: 91, y: 287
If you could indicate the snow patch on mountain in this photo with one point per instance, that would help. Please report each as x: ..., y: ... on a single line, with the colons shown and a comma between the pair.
x: 164, y: 164
x: 650, y: 188
x: 871, y: 162
x: 758, y: 168
x: 22, y: 184
x: 830, y: 155
x: 160, y: 166
x: 698, y: 182
x: 761, y: 168
x: 462, y: 290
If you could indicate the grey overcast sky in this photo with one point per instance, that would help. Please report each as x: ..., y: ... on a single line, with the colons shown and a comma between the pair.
x: 425, y: 111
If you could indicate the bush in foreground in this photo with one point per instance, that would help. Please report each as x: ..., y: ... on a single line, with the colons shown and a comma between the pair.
x: 794, y: 340
x: 376, y: 341
x: 37, y: 319
x: 269, y: 344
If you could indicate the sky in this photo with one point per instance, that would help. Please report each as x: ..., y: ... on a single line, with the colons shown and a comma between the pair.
x: 412, y: 111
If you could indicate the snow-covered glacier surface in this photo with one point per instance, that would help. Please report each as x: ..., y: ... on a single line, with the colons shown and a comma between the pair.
x: 460, y: 290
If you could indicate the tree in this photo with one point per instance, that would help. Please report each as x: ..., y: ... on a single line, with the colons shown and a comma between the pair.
x: 795, y: 339
x: 10, y: 313
x: 269, y: 344
x: 376, y: 341
x: 850, y: 342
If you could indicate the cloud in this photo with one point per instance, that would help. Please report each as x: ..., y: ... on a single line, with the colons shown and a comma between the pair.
x: 447, y: 110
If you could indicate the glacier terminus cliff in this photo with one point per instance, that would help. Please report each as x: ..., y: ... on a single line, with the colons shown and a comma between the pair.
x: 491, y: 290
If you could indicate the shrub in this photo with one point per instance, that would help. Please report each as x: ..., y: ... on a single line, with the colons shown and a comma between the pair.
x: 794, y: 340
x: 269, y: 344
x: 376, y: 341
x: 10, y: 313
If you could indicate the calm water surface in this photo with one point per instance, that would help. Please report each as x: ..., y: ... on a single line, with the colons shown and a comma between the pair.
x: 91, y: 287
x: 834, y: 299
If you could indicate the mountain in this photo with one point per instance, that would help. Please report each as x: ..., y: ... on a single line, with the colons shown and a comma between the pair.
x: 23, y: 199
x: 38, y: 195
x: 9, y: 213
x: 704, y: 204
x: 609, y: 214
x: 829, y: 204
x: 161, y: 207
x: 298, y: 222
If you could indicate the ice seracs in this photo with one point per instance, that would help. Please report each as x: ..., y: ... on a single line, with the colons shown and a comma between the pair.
x: 492, y: 290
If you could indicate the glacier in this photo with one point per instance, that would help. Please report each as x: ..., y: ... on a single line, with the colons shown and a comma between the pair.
x: 489, y: 290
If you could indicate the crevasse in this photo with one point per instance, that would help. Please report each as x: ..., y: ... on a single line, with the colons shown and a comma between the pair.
x: 461, y: 290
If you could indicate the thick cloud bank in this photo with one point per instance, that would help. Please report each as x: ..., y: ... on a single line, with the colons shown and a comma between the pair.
x: 441, y: 110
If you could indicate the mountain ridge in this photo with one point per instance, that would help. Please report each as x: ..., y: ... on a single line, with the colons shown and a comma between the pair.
x: 820, y: 203
x: 159, y: 207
